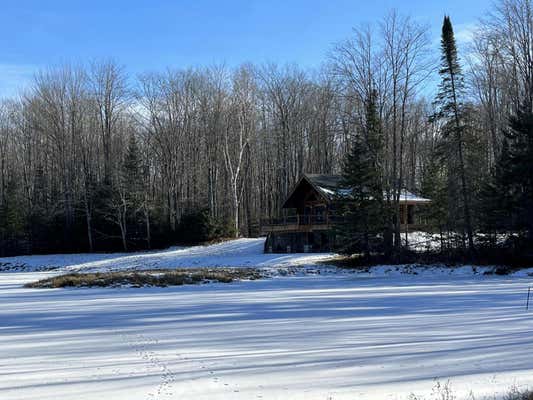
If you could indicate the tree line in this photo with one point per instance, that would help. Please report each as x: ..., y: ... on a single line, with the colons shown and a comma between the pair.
x: 92, y: 159
x: 479, y: 166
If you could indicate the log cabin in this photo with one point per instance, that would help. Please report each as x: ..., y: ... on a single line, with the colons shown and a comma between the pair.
x: 310, y: 216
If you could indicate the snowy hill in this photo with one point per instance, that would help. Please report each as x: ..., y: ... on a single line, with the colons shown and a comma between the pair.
x: 234, y: 253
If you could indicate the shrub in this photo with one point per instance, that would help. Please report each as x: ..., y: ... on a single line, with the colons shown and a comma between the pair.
x: 200, y: 227
x: 160, y: 278
x: 195, y: 227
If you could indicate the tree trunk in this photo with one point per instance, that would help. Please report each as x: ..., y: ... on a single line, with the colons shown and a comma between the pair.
x: 148, y: 232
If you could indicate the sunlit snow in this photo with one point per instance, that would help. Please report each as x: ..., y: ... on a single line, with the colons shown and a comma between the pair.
x: 329, y: 336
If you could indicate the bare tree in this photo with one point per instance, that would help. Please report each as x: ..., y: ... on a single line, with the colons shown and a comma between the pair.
x: 238, y: 134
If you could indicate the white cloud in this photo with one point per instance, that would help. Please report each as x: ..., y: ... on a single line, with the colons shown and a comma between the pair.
x: 464, y: 33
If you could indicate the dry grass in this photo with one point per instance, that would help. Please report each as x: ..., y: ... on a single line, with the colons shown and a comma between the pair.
x: 515, y: 394
x: 160, y: 278
x: 443, y: 391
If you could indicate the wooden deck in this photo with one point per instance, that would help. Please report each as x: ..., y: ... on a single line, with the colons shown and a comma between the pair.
x: 312, y: 223
x: 298, y: 223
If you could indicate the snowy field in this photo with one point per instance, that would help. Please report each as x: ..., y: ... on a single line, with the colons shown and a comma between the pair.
x: 329, y: 336
x: 235, y: 253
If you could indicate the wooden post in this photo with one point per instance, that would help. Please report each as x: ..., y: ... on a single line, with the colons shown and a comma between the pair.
x: 527, y: 303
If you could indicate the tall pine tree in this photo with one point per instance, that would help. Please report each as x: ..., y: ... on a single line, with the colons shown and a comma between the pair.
x: 450, y: 112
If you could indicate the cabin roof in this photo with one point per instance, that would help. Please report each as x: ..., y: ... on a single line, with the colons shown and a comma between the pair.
x: 329, y: 187
x: 325, y: 181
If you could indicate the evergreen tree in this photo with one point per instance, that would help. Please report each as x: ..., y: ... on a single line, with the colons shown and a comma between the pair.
x: 120, y: 208
x: 517, y: 170
x: 507, y: 198
x: 450, y: 111
x: 12, y: 218
x: 362, y: 205
x: 102, y: 200
x: 129, y: 198
x: 132, y: 177
x: 434, y: 186
x: 39, y: 219
x: 496, y: 200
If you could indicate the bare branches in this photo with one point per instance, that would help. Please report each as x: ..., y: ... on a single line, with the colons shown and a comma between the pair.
x: 233, y: 141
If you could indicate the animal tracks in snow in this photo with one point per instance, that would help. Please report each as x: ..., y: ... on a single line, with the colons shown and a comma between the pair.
x: 145, y: 348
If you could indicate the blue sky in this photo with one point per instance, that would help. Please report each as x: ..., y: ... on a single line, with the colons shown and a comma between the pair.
x: 154, y: 35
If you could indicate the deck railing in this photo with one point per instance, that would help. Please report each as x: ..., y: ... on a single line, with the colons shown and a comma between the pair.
x: 305, y: 222
x: 302, y: 220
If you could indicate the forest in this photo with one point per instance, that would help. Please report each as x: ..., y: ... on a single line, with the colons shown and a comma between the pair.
x: 93, y: 159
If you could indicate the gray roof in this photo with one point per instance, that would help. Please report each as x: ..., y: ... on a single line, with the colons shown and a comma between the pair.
x: 325, y: 181
x: 330, y: 187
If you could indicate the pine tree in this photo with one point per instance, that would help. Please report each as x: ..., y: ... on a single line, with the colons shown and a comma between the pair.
x: 448, y: 100
x: 40, y: 220
x: 496, y: 200
x: 434, y: 186
x: 133, y: 193
x: 363, y: 206
x: 517, y: 171
x: 12, y: 217
x: 102, y: 200
x: 507, y: 197
x: 129, y: 198
x: 132, y: 177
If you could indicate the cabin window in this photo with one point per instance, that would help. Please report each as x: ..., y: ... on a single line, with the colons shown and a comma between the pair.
x: 320, y: 213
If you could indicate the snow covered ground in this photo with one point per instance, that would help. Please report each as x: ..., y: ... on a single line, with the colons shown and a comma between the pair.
x: 382, y: 335
x: 234, y: 253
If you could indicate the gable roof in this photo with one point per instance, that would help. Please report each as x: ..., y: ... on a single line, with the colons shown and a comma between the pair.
x: 310, y: 180
x: 330, y: 188
x: 325, y: 181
